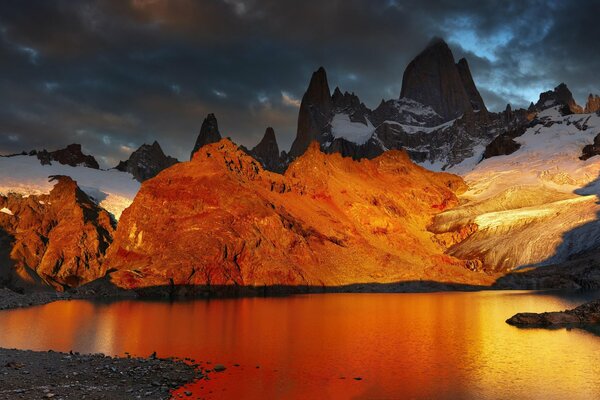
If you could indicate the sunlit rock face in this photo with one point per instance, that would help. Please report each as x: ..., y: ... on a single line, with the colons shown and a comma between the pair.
x: 537, y: 205
x: 57, y: 239
x: 221, y: 219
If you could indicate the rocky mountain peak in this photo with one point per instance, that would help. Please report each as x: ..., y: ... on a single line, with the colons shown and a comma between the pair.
x: 146, y: 162
x: 560, y: 96
x: 593, y: 104
x: 434, y: 79
x: 267, y: 152
x: 209, y: 133
x: 315, y: 110
x: 71, y: 155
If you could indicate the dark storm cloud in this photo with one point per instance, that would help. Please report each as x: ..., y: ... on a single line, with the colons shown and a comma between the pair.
x: 115, y: 74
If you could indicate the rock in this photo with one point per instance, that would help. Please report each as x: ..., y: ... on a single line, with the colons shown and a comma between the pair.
x: 209, y: 133
x: 586, y: 314
x: 71, y: 155
x: 591, y: 150
x: 311, y: 226
x: 314, y: 114
x: 267, y: 152
x: 433, y: 79
x: 219, y: 368
x: 593, y: 104
x: 57, y: 239
x: 560, y: 96
x: 504, y: 144
x: 146, y: 162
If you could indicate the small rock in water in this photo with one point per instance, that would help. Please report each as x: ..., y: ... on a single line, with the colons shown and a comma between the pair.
x: 219, y: 368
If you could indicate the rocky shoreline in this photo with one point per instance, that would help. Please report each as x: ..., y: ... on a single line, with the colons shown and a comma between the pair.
x: 51, y: 375
x: 584, y: 315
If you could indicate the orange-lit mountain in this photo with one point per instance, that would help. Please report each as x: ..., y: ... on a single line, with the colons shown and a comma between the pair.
x: 221, y: 219
x: 58, y: 239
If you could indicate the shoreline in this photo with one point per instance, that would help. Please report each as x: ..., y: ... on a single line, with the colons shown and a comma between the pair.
x: 27, y: 374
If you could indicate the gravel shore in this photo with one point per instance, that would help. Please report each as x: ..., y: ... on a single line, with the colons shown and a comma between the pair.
x: 51, y: 375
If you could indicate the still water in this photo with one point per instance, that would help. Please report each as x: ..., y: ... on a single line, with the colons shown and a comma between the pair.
x: 440, y: 345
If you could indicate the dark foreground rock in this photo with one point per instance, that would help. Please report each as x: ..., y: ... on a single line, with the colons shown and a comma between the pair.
x: 52, y: 375
x: 586, y: 314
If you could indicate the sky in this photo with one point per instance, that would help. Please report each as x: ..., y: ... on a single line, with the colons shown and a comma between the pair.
x: 115, y: 74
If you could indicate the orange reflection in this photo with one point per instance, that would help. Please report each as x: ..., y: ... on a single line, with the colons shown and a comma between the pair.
x: 442, y: 345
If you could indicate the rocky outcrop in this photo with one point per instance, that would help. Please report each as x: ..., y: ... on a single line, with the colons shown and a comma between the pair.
x: 585, y: 314
x: 58, y: 239
x: 593, y: 104
x: 314, y: 114
x: 467, y: 79
x: 225, y: 222
x: 71, y: 155
x: 267, y: 152
x: 591, y: 150
x: 434, y: 79
x: 146, y: 162
x: 209, y: 133
x: 560, y: 96
x: 505, y: 143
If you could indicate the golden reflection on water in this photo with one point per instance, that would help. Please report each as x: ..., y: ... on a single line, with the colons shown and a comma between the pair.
x: 441, y: 345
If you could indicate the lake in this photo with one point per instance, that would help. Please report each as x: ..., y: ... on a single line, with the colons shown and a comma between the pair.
x: 423, y: 345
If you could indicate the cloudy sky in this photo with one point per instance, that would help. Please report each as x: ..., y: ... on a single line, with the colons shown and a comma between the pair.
x: 115, y: 74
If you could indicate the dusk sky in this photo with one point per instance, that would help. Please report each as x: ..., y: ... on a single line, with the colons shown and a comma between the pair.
x: 112, y: 75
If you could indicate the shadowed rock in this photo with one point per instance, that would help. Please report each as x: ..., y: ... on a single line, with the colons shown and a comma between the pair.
x: 146, y: 162
x: 267, y: 152
x: 209, y: 133
x: 560, y: 96
x: 433, y: 79
x: 314, y: 115
x: 586, y: 314
x: 70, y: 155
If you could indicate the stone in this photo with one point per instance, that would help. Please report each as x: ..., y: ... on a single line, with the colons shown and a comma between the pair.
x: 209, y: 133
x: 146, y: 162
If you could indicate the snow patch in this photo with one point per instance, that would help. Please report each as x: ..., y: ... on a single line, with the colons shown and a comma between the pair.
x: 355, y: 132
x: 6, y: 211
x: 113, y: 190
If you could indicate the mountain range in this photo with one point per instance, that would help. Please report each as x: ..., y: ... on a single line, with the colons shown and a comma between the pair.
x: 428, y: 187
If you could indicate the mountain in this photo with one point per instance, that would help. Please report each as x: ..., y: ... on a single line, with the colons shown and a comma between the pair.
x: 560, y: 96
x: 593, y: 104
x: 112, y: 190
x: 226, y: 223
x: 56, y: 239
x: 146, y: 162
x: 432, y: 78
x: 538, y: 205
x: 440, y: 118
x: 314, y: 113
x: 209, y: 133
x: 267, y: 152
x: 71, y: 155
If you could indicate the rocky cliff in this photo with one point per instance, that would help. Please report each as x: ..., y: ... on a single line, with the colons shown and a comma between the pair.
x: 70, y: 155
x: 57, y: 239
x: 222, y: 220
x: 209, y: 133
x: 146, y: 162
x: 267, y: 152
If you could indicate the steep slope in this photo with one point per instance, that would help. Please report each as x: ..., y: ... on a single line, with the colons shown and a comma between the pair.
x: 537, y: 205
x: 433, y: 79
x: 267, y: 152
x: 209, y: 133
x: 146, y: 162
x: 58, y: 239
x: 112, y: 190
x: 221, y: 219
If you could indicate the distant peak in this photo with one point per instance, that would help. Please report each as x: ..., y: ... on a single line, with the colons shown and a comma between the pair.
x: 436, y: 41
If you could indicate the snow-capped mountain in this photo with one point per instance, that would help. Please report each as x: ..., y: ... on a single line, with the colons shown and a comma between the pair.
x: 23, y: 174
x: 537, y: 205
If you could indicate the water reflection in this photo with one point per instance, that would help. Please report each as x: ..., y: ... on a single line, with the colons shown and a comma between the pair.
x: 440, y: 345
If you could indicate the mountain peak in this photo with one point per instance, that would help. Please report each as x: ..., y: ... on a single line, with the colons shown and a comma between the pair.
x: 560, y: 96
x: 146, y: 162
x: 434, y: 79
x: 209, y: 133
x: 314, y: 114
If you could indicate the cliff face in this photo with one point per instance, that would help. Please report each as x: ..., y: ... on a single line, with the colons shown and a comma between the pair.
x: 433, y: 79
x: 146, y: 162
x: 221, y: 219
x: 57, y: 239
x: 209, y: 133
